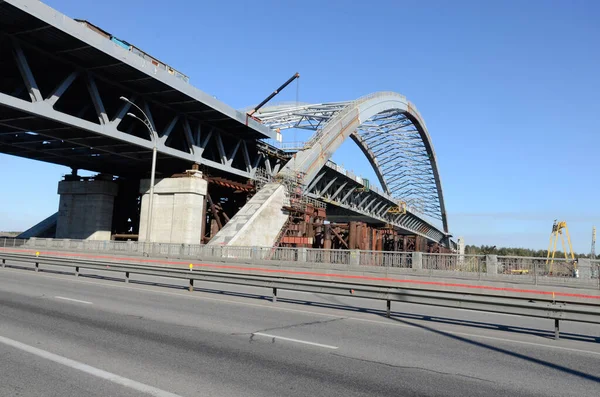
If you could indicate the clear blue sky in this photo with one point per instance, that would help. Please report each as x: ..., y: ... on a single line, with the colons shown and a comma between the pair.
x: 510, y: 92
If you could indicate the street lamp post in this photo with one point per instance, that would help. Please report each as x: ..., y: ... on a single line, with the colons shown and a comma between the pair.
x: 154, y: 138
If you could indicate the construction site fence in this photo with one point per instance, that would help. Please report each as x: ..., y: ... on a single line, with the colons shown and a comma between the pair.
x: 530, y: 270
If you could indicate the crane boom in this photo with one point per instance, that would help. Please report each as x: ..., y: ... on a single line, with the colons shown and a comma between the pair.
x: 277, y: 91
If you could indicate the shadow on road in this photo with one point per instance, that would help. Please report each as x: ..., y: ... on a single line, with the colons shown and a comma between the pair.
x: 533, y: 360
x: 338, y: 305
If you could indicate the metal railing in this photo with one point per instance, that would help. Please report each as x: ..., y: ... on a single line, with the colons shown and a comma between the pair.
x: 529, y: 270
x: 465, y: 264
x: 514, y: 302
x: 535, y: 266
x: 385, y: 259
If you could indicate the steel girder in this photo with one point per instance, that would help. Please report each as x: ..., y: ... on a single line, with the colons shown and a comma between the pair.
x: 59, y: 102
x: 337, y: 187
x: 389, y: 131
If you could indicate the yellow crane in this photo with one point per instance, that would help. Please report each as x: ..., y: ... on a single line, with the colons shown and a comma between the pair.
x: 557, y: 229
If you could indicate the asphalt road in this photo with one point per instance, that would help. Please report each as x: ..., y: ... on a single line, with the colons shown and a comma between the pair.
x: 62, y: 336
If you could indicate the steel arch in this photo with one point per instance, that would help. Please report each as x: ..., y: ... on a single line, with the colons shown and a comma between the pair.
x: 390, y: 132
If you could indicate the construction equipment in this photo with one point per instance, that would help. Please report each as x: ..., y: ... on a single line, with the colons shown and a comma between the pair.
x: 557, y: 229
x: 593, y: 251
x: 277, y: 91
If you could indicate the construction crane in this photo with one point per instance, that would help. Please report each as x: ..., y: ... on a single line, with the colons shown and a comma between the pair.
x: 557, y: 229
x: 277, y: 91
x: 593, y: 251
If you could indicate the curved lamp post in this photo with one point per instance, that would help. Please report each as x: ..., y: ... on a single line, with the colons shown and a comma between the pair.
x: 154, y: 138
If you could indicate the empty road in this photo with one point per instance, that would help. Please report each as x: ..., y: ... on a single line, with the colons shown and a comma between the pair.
x: 62, y: 336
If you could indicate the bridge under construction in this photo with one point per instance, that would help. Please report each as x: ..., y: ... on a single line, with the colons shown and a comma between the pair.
x: 223, y: 177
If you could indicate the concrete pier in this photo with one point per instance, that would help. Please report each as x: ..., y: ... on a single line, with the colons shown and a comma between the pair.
x: 85, y: 209
x: 178, y: 209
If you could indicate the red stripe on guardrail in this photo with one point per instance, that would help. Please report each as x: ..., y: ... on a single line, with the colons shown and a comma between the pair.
x: 303, y: 273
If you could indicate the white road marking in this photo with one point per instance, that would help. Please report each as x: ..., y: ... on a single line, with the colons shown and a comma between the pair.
x: 132, y: 384
x: 73, y: 300
x: 295, y: 340
x: 273, y: 307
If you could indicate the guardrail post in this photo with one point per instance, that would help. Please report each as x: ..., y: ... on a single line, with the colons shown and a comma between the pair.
x: 274, y: 295
x: 389, y: 309
x: 127, y: 277
x: 491, y: 263
x: 417, y: 260
x: 191, y: 288
x: 556, y: 328
x: 76, y: 271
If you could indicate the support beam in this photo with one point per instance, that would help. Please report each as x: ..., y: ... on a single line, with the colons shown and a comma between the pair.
x: 61, y: 88
x: 246, y: 156
x: 125, y: 106
x: 221, y: 148
x: 168, y: 129
x: 233, y: 152
x: 315, y: 181
x: 337, y: 192
x: 25, y: 70
x: 329, y: 184
x: 339, y: 237
x: 97, y: 100
x: 187, y: 133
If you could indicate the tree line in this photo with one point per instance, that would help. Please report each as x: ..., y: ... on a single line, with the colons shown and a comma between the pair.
x: 513, y: 251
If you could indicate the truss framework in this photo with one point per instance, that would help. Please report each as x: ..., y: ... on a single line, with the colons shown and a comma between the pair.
x: 392, y: 140
x: 337, y: 188
x: 55, y: 124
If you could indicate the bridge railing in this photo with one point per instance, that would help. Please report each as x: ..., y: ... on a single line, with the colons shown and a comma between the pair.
x: 528, y: 270
x: 472, y: 266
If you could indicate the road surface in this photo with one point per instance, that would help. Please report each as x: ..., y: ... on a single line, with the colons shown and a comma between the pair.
x: 62, y: 336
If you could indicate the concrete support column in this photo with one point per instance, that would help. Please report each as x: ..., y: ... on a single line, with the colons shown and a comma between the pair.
x: 85, y: 209
x: 491, y: 263
x: 178, y: 208
x: 417, y: 260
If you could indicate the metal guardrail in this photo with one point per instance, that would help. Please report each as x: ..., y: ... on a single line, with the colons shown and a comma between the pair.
x: 523, y: 306
x: 481, y: 267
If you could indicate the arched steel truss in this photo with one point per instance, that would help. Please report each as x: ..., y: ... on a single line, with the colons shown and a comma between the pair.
x: 389, y: 131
